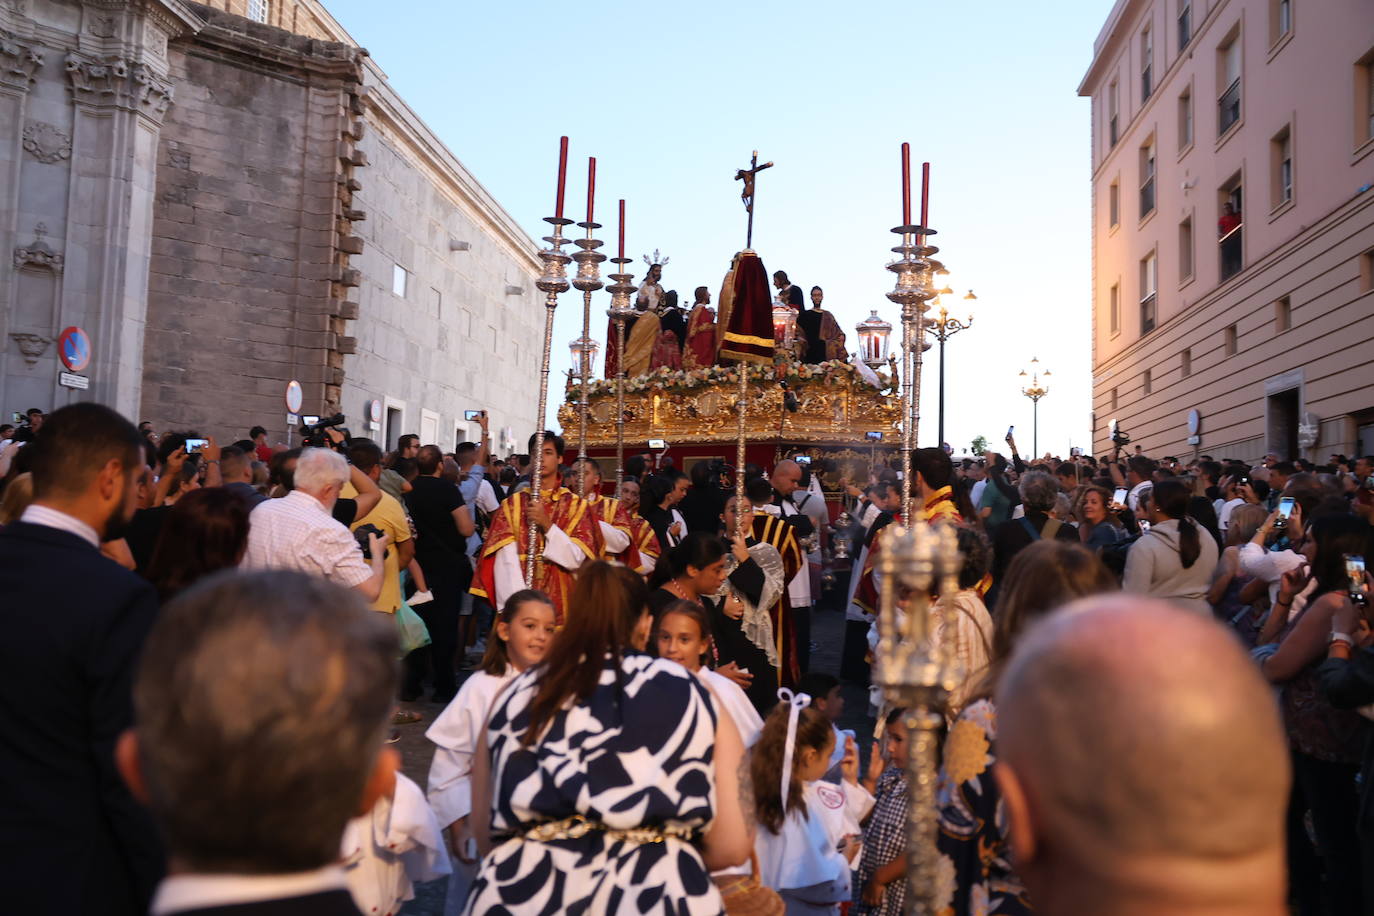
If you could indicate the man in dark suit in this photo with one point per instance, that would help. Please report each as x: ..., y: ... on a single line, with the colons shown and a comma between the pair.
x: 261, y: 704
x: 72, y: 839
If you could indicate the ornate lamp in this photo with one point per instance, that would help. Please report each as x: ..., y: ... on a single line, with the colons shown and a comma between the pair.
x: 784, y: 327
x: 584, y: 350
x: 873, y: 335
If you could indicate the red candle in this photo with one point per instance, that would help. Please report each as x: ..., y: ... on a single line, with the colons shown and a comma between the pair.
x: 925, y: 192
x: 591, y: 185
x: 906, y: 184
x: 622, y: 231
x: 562, y: 176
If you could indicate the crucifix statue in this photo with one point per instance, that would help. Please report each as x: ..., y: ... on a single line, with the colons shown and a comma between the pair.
x: 747, y: 195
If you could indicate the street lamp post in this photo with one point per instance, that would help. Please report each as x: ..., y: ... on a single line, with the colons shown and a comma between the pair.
x: 942, y: 329
x: 1035, y: 391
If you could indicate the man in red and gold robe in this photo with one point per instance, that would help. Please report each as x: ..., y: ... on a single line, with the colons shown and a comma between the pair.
x: 618, y: 530
x: 567, y: 536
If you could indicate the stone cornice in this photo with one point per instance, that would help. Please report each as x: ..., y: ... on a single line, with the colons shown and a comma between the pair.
x: 241, y: 38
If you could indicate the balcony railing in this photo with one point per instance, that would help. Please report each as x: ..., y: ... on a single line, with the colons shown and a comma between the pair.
x: 1228, y: 107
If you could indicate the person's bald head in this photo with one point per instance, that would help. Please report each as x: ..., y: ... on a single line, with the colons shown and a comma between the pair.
x: 786, y: 476
x: 1130, y: 732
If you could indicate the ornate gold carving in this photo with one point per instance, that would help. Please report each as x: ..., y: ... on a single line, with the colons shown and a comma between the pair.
x: 838, y: 410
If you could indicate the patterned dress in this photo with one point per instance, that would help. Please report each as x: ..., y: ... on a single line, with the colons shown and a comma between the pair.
x: 885, y: 838
x: 975, y: 874
x: 636, y: 753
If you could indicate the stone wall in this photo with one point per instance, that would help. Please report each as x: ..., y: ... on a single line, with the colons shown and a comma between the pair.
x: 251, y: 243
x: 466, y: 332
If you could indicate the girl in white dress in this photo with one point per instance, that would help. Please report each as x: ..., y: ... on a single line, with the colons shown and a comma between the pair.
x: 519, y: 640
x: 682, y: 634
x: 806, y: 841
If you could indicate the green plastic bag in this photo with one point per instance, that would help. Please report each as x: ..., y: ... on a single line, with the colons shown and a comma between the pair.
x: 412, y: 630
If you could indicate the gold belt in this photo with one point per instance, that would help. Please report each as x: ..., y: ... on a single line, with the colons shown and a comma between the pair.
x: 577, y: 826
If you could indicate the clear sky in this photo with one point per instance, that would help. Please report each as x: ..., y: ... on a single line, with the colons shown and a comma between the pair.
x: 672, y: 97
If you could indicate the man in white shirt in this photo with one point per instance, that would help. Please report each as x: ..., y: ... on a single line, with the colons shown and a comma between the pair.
x: 247, y: 691
x: 297, y: 531
x: 1139, y: 477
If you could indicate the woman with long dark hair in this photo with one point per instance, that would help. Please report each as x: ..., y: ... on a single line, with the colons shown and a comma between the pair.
x: 1326, y: 742
x: 1174, y: 560
x: 206, y: 531
x: 695, y: 570
x: 664, y: 808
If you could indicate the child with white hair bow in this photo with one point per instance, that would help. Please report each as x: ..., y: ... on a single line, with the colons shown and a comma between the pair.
x: 808, y: 830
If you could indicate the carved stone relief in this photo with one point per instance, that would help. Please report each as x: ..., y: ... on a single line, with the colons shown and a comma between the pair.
x: 47, y: 142
x: 38, y: 254
x: 31, y: 346
x: 19, y: 61
x: 116, y: 81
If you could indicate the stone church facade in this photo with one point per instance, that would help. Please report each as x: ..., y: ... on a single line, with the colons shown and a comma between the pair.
x: 225, y: 204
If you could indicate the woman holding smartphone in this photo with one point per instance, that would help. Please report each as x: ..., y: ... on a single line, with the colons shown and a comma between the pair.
x: 1326, y: 741
x: 1095, y: 510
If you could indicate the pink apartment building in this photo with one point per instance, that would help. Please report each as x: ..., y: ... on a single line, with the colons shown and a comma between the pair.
x: 1233, y: 226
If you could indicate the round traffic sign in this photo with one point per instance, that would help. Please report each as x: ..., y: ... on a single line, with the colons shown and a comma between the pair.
x: 74, y: 348
x: 294, y: 396
x: 374, y: 410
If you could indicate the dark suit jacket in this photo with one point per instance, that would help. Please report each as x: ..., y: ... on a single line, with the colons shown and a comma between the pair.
x: 328, y: 903
x: 72, y: 839
x: 1010, y: 537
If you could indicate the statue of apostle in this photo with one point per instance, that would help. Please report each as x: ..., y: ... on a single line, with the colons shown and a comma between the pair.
x: 643, y: 337
x: 700, y: 348
x: 824, y: 339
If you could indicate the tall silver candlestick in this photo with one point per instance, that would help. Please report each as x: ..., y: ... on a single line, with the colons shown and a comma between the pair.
x: 588, y: 280
x: 918, y: 676
x: 621, y: 311
x: 553, y: 281
x: 912, y: 292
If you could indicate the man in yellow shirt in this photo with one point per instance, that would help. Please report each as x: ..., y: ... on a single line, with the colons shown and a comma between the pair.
x: 390, y: 517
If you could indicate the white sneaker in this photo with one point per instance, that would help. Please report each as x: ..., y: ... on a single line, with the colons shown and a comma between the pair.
x: 421, y: 598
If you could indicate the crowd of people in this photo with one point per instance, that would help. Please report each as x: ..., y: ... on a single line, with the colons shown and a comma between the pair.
x: 201, y: 718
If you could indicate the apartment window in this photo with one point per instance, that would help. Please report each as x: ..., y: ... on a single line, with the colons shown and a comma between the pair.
x: 1364, y: 99
x: 1280, y: 19
x: 1281, y: 167
x: 1146, y: 383
x: 1230, y: 340
x: 1283, y: 315
x: 1112, y: 114
x: 1147, y: 57
x: 400, y: 280
x: 1114, y: 204
x: 1185, y: 119
x: 1185, y: 250
x: 257, y: 10
x: 1185, y: 23
x: 1147, y: 178
x: 1149, y: 278
x: 1114, y: 399
x: 436, y: 303
x: 1114, y: 308
x: 1231, y: 229
x: 1228, y: 68
x: 1186, y: 363
x: 1367, y: 271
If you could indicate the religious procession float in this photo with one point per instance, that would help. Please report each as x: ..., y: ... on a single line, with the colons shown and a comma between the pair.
x: 748, y: 369
x: 672, y: 377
